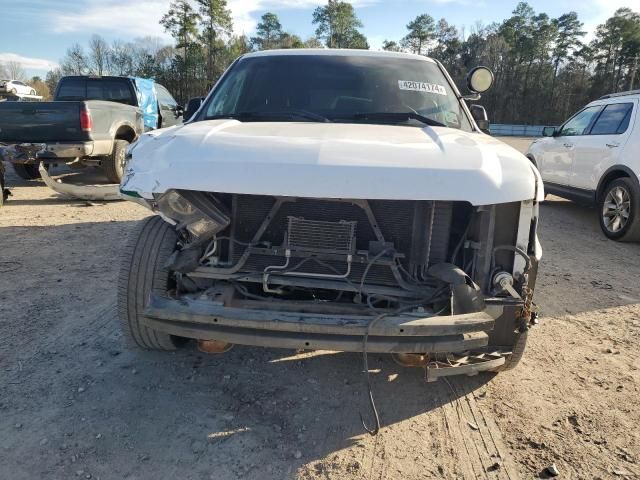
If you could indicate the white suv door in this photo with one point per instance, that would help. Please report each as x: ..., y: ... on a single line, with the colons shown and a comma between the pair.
x: 600, y: 149
x: 555, y: 161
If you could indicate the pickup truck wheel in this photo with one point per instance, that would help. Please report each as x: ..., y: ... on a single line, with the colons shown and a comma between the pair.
x: 114, y: 165
x: 619, y: 210
x: 26, y: 171
x: 517, y: 352
x: 143, y: 271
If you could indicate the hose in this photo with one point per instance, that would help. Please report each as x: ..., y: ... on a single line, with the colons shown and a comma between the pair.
x: 515, y: 249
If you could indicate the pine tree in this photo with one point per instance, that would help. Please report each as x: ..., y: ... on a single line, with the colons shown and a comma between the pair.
x: 216, y: 25
x: 182, y: 22
x: 422, y: 30
x: 338, y: 25
x: 268, y: 32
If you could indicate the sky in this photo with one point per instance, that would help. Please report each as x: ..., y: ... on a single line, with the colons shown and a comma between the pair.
x: 37, y: 33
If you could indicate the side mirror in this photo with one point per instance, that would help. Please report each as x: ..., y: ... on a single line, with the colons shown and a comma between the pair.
x: 549, y: 131
x: 192, y: 107
x: 479, y: 79
x: 479, y: 114
x: 179, y: 111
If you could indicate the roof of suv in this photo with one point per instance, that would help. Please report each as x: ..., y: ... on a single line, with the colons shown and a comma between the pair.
x: 337, y: 52
x: 621, y: 94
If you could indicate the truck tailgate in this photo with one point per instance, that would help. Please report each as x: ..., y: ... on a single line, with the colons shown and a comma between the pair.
x: 41, y: 122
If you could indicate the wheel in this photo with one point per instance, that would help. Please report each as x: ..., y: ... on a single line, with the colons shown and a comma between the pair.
x: 114, y: 165
x: 517, y: 352
x: 142, y: 272
x: 26, y: 171
x: 13, y: 91
x: 619, y: 210
x: 32, y: 92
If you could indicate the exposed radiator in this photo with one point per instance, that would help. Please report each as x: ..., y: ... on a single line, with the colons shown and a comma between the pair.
x: 418, y: 230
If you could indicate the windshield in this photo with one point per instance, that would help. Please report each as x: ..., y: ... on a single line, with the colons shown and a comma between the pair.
x: 340, y: 88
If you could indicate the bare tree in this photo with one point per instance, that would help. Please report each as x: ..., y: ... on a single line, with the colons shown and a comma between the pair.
x: 15, y: 71
x: 121, y: 58
x: 151, y: 45
x: 313, y: 42
x: 75, y: 61
x: 98, y: 55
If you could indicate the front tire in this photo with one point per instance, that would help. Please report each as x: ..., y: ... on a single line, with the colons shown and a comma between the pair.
x: 26, y: 171
x: 619, y: 210
x: 143, y: 272
x: 114, y: 165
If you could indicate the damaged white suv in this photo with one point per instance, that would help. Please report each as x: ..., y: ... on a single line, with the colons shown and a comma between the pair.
x: 335, y: 200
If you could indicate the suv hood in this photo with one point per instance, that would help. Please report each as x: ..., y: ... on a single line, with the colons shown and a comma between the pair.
x: 330, y: 160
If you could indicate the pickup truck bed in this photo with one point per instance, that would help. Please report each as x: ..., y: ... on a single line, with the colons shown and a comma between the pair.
x: 41, y: 122
x: 89, y: 132
x: 59, y: 126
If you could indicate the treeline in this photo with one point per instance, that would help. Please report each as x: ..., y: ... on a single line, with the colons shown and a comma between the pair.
x: 544, y: 69
x: 543, y: 66
x: 204, y: 45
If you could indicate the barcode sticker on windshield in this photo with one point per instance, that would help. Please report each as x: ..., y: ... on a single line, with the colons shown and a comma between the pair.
x: 421, y: 87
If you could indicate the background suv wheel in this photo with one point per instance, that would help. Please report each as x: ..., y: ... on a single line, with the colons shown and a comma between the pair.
x: 619, y: 210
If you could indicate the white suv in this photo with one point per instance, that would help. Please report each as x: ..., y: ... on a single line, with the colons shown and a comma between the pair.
x: 593, y: 158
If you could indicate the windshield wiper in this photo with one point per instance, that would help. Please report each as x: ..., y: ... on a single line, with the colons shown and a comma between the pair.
x: 257, y: 116
x: 398, y: 116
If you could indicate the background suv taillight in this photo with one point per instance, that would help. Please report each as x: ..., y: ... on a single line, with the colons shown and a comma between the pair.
x: 85, y: 120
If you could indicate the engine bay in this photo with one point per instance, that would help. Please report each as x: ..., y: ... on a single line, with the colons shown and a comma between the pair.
x: 335, y: 255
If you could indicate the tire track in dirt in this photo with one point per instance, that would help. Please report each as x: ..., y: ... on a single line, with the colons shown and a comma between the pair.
x: 451, y: 436
x: 473, y: 435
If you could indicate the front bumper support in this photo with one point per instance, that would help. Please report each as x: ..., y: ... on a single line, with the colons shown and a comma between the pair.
x: 208, y: 320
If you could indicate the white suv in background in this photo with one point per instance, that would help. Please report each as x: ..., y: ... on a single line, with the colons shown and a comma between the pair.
x: 16, y: 87
x: 594, y: 158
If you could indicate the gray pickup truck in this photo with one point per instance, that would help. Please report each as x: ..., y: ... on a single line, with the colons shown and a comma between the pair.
x: 91, y: 122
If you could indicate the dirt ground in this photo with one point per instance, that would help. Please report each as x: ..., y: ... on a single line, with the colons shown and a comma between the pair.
x: 76, y: 403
